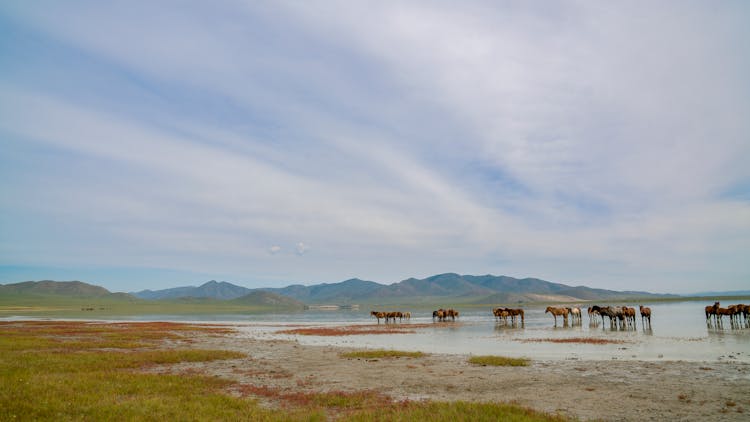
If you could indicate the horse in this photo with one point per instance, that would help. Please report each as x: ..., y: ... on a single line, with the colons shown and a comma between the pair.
x: 407, y: 315
x: 711, y: 310
x: 439, y: 314
x: 606, y: 311
x: 501, y: 313
x: 451, y: 313
x: 629, y: 314
x: 391, y: 315
x: 619, y: 312
x: 563, y: 312
x: 720, y: 312
x: 575, y: 314
x: 592, y: 314
x: 515, y: 313
x: 645, y: 315
x: 378, y: 315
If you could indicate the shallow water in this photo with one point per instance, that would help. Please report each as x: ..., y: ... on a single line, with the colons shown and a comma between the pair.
x: 679, y: 332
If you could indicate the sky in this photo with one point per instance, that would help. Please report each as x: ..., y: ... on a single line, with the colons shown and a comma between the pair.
x: 159, y: 144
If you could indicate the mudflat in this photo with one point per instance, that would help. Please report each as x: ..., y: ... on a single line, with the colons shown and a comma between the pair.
x: 588, y: 390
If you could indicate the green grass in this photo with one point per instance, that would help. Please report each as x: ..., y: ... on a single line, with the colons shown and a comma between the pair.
x: 377, y: 354
x: 498, y: 361
x: 452, y: 412
x: 66, y: 371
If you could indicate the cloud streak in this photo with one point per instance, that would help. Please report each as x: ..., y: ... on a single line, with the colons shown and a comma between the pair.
x: 569, y: 142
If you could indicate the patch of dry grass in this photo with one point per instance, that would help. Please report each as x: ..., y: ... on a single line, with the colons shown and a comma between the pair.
x: 498, y: 361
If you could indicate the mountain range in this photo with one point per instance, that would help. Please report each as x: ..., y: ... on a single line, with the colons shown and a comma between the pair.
x: 35, y: 291
x: 465, y: 288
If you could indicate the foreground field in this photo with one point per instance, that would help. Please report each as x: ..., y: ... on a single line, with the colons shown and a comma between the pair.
x: 157, y: 371
x: 76, y: 370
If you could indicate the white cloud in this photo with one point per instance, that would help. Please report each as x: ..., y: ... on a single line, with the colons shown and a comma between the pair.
x: 301, y: 249
x: 273, y: 250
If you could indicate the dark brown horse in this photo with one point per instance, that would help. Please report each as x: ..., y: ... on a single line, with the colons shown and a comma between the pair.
x: 711, y: 310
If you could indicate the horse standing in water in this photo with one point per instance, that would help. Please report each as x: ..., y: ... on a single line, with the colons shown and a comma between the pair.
x: 378, y: 315
x: 645, y: 315
x: 711, y: 310
x: 439, y: 314
x: 563, y: 312
x: 451, y: 313
x: 575, y: 315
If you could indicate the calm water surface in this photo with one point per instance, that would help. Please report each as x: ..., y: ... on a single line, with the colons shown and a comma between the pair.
x: 679, y: 332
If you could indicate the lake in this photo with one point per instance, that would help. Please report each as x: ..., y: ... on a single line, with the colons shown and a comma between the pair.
x: 679, y: 332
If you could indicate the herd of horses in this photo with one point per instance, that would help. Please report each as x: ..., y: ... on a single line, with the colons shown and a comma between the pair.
x: 502, y: 315
x: 739, y: 315
x: 391, y: 316
x: 443, y: 314
x: 619, y: 317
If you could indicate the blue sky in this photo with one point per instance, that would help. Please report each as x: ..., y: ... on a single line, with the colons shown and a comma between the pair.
x: 156, y: 144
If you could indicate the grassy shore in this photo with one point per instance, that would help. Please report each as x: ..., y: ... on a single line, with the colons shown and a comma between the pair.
x: 76, y: 370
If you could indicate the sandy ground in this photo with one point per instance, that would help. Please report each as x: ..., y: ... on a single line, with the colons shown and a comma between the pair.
x: 598, y: 390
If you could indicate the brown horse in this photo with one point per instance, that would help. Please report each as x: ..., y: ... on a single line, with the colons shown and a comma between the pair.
x: 501, y: 313
x: 563, y: 312
x: 515, y: 313
x: 711, y: 310
x: 393, y: 316
x: 629, y: 314
x: 645, y: 315
x: 592, y: 314
x: 439, y: 314
x: 378, y: 315
x: 452, y: 313
x: 720, y: 312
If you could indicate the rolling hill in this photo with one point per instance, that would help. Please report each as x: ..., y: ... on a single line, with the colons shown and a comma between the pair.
x: 211, y: 289
x: 69, y: 289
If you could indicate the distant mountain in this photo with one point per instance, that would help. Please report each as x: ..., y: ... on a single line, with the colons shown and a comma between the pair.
x: 497, y: 289
x: 481, y: 289
x: 76, y: 289
x: 342, y: 293
x: 211, y: 289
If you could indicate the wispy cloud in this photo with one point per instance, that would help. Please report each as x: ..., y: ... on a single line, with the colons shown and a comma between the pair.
x: 600, y: 145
